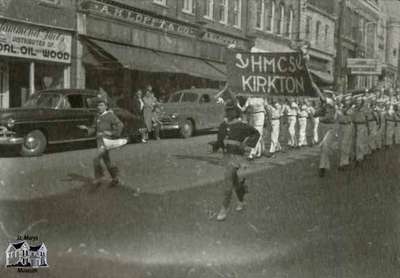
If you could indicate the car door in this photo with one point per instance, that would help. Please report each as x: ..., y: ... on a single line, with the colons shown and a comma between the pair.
x: 191, y: 109
x: 77, y: 113
x: 213, y: 112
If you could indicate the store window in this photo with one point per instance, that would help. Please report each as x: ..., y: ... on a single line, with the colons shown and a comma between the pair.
x: 48, y: 76
x: 209, y: 9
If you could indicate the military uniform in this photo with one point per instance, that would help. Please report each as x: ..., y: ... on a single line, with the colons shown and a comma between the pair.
x: 291, y: 113
x: 275, y: 112
x: 397, y: 127
x: 346, y: 135
x: 361, y: 133
x: 390, y: 125
x: 302, y: 118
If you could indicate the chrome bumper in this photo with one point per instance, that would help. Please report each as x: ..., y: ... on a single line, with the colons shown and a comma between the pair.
x: 11, y: 140
x: 8, y: 137
x: 170, y: 127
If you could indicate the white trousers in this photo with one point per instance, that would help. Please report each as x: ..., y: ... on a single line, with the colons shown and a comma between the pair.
x: 292, y: 131
x: 315, y: 130
x: 275, y: 145
x: 302, y: 131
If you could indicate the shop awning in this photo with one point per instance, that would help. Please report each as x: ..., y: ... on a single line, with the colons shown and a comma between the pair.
x: 144, y: 59
x: 322, y: 77
x: 193, y: 66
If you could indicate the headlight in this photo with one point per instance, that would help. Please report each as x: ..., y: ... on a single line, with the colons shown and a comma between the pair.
x: 10, y: 122
x: 174, y: 116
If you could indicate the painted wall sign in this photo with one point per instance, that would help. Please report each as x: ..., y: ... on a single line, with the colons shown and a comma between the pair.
x: 140, y: 18
x: 269, y: 74
x: 33, y: 42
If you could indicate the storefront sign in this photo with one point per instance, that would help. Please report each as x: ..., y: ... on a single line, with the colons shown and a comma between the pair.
x: 28, y: 41
x: 361, y: 66
x: 137, y: 17
x: 222, y: 39
x: 269, y: 74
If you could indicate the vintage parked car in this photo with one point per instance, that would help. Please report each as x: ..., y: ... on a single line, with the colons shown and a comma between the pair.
x: 53, y: 117
x: 191, y: 110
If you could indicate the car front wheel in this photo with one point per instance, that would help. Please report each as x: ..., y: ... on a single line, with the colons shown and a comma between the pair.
x: 187, y: 129
x: 35, y: 143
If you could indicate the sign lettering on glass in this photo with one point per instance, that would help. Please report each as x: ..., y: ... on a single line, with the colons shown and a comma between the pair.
x: 269, y: 74
x: 27, y: 41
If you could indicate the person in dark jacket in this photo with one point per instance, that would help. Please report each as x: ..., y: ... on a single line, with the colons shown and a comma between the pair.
x: 233, y: 137
x: 106, y: 125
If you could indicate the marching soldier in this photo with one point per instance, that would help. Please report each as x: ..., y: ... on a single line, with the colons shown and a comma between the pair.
x: 275, y: 112
x: 361, y: 129
x: 302, y: 118
x: 397, y: 124
x: 390, y: 124
x: 291, y: 109
x: 315, y: 120
x: 346, y: 132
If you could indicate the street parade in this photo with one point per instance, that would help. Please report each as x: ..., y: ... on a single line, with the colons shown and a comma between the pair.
x: 200, y: 138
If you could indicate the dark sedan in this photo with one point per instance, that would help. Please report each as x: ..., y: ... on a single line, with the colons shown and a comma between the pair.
x: 53, y: 117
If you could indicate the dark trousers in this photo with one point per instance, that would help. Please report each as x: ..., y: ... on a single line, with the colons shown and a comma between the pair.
x: 103, y: 154
x: 156, y: 128
x: 232, y: 183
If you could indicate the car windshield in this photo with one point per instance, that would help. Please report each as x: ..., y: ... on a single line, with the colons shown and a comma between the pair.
x: 190, y: 97
x: 175, y: 97
x: 43, y: 100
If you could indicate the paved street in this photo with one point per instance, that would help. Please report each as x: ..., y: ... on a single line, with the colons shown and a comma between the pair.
x: 295, y: 224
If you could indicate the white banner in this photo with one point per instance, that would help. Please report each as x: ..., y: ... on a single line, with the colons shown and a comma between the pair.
x: 33, y: 42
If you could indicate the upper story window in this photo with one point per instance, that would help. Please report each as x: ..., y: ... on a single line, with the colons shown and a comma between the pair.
x: 308, y: 26
x: 209, y: 9
x: 289, y: 23
x: 188, y: 6
x: 223, y: 11
x: 279, y: 19
x: 52, y: 2
x: 269, y: 15
x: 259, y: 13
x: 326, y: 32
x: 237, y: 12
x: 161, y: 2
x: 317, y: 30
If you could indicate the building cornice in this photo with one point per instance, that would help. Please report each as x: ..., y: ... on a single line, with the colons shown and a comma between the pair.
x: 320, y: 11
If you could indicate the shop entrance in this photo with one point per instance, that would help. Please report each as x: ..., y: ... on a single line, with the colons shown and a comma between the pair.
x: 19, y: 83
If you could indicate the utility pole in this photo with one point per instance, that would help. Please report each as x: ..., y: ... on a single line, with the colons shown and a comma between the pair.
x: 339, y: 55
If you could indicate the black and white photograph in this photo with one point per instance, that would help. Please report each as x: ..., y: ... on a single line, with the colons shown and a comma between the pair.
x: 200, y: 138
